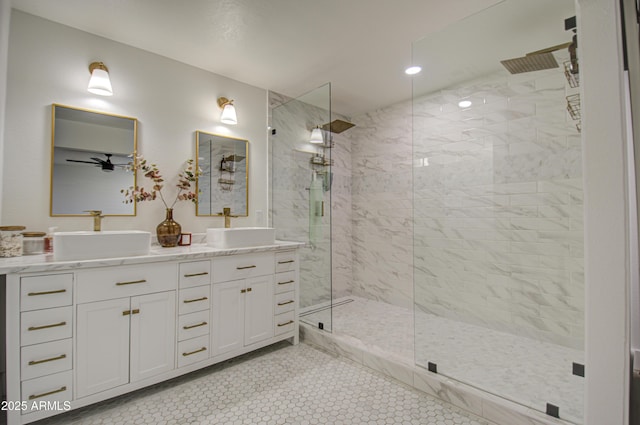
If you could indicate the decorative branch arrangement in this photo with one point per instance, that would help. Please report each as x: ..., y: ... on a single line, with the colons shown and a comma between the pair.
x: 138, y: 193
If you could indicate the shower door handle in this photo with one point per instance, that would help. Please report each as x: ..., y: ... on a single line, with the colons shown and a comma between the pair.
x: 319, y: 208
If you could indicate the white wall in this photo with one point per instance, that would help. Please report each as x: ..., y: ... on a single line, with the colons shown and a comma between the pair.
x: 171, y: 100
x: 5, y: 16
x: 606, y: 220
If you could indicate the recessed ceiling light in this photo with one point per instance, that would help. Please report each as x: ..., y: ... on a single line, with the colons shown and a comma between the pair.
x: 464, y: 103
x: 412, y: 70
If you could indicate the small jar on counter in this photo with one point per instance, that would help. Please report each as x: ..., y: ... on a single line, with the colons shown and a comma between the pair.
x: 33, y: 243
x: 11, y: 241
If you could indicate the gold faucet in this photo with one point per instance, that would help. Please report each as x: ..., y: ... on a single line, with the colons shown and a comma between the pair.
x: 226, y: 212
x: 97, y: 217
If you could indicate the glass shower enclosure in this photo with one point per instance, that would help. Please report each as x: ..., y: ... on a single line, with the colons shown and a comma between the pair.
x: 498, y: 218
x: 301, y: 180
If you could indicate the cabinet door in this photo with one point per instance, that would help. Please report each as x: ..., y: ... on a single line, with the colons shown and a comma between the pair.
x: 102, y: 346
x: 228, y: 316
x: 152, y: 334
x: 258, y: 318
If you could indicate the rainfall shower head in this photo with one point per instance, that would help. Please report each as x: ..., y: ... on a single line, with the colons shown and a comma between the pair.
x: 530, y: 63
x: 337, y: 126
x: 534, y: 61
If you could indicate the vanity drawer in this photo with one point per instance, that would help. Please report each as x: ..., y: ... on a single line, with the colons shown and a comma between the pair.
x: 193, y: 350
x: 45, y: 325
x: 45, y: 359
x: 194, y: 299
x: 50, y: 388
x: 285, y: 282
x: 193, y: 325
x: 285, y: 302
x: 284, y: 323
x: 46, y: 291
x: 125, y: 281
x: 195, y: 273
x: 236, y: 267
x: 286, y: 261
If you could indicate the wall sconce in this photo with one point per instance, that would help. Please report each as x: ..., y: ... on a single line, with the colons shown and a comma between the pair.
x: 99, y: 82
x: 316, y: 136
x: 228, y: 115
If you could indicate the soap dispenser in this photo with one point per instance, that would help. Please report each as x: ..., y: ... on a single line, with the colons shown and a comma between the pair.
x: 48, y: 241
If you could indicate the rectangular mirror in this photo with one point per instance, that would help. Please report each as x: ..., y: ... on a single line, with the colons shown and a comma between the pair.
x: 90, y: 151
x: 224, y: 182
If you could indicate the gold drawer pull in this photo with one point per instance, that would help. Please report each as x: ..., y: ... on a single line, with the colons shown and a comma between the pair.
x: 286, y: 283
x: 128, y: 312
x: 194, y: 352
x: 196, y: 274
x: 194, y: 326
x: 57, y: 291
x: 242, y: 291
x: 34, y: 396
x: 132, y: 282
x: 248, y: 289
x: 245, y: 267
x: 55, y: 325
x: 195, y: 300
x: 35, y: 362
x: 285, y: 324
x: 286, y: 302
x: 286, y: 262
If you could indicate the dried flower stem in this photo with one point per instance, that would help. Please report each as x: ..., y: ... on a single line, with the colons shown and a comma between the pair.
x: 138, y: 193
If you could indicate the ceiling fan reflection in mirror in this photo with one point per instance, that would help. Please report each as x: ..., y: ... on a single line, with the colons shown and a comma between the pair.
x: 105, y: 165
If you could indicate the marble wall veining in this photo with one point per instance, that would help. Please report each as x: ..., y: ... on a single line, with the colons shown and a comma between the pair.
x: 495, y: 194
x: 326, y: 259
x: 481, y: 207
x: 382, y: 205
x: 498, y: 210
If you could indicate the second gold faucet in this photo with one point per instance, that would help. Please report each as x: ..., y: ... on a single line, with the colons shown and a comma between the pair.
x: 97, y: 219
x: 226, y: 212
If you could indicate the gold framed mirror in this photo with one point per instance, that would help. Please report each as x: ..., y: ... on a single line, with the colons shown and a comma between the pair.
x: 224, y: 182
x: 90, y: 151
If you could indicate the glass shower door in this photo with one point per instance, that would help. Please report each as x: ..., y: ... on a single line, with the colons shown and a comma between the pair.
x: 301, y: 195
x: 498, y: 228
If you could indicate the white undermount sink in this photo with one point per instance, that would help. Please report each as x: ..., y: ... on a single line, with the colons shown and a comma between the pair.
x: 105, y: 244
x: 240, y: 237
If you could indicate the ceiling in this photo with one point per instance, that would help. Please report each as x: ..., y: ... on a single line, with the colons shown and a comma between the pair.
x: 289, y: 46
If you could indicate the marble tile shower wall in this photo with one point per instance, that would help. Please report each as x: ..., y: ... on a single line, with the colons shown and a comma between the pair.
x: 498, y: 206
x: 291, y: 174
x: 381, y: 188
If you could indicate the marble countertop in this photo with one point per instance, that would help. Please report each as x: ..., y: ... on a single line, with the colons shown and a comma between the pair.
x: 45, y: 262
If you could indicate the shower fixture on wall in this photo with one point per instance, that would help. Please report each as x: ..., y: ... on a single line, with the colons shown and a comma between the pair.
x: 534, y: 61
x: 337, y: 126
x: 544, y: 59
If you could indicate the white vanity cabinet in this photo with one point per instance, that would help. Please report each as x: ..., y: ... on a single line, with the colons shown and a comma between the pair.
x: 46, y: 344
x: 242, y: 307
x: 127, y: 338
x: 80, y: 333
x: 194, y: 312
x: 286, y: 292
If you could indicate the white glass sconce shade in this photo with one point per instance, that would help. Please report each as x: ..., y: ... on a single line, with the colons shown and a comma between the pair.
x: 228, y: 115
x: 99, y: 83
x: 316, y: 136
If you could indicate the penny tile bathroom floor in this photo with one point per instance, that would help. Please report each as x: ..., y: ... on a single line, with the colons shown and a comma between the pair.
x: 524, y: 370
x: 280, y: 384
